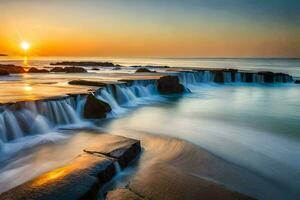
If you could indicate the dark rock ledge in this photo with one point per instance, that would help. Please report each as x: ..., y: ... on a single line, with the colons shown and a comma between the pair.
x: 86, y: 64
x: 95, y: 108
x: 169, y: 85
x: 83, y: 177
x: 87, y: 83
x: 144, y: 70
x: 69, y: 69
x: 12, y: 69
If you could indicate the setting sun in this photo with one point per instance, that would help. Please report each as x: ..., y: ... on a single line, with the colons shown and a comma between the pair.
x: 25, y: 45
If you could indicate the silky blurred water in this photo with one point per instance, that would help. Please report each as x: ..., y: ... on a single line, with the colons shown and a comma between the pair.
x: 255, y: 127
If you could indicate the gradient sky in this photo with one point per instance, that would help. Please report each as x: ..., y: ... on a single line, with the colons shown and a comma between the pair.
x: 204, y: 28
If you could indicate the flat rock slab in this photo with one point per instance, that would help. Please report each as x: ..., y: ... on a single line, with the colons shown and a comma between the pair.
x: 82, y: 178
x: 120, y: 148
x: 122, y: 194
x: 162, y: 181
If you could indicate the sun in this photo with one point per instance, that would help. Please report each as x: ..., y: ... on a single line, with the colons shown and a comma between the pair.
x: 25, y: 45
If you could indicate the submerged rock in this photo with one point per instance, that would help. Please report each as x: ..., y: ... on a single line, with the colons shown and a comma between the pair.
x: 95, y: 108
x: 297, y: 81
x: 144, y: 70
x: 169, y: 85
x: 35, y: 70
x: 3, y: 72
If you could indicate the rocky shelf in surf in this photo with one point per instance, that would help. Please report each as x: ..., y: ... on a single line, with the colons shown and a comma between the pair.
x: 37, y: 117
x: 86, y: 64
x: 197, y: 76
x: 84, y: 176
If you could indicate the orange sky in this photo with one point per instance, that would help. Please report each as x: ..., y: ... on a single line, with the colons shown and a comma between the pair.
x: 99, y: 28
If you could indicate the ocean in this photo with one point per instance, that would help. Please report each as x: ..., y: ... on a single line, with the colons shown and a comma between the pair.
x: 245, y: 136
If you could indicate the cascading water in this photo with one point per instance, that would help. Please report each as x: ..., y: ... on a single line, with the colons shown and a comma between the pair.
x: 126, y: 94
x: 37, y: 117
x: 231, y: 76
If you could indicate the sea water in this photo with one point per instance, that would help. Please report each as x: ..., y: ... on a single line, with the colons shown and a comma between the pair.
x: 252, y: 126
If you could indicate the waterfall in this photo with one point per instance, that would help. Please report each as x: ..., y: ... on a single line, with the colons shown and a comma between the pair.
x: 120, y: 96
x: 231, y: 76
x: 37, y: 117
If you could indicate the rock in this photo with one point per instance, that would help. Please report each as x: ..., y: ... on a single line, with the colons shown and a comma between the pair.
x: 282, y: 77
x: 69, y: 69
x: 124, y: 150
x: 218, y: 76
x: 122, y: 194
x: 267, y: 76
x: 57, y: 69
x: 85, y: 64
x: 95, y: 68
x: 3, y: 72
x: 116, y: 68
x: 80, y: 179
x: 12, y: 69
x: 35, y: 70
x: 87, y: 83
x: 297, y: 81
x: 247, y: 77
x: 74, y: 70
x: 176, y: 184
x: 169, y: 85
x: 95, y: 108
x: 144, y: 70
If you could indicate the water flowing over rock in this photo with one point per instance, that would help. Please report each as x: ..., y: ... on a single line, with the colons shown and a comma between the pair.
x: 95, y: 108
x: 38, y: 117
x: 169, y: 85
x: 231, y: 76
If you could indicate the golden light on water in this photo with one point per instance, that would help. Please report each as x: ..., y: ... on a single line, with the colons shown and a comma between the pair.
x: 27, y: 88
x: 25, y: 45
